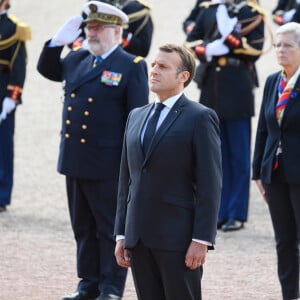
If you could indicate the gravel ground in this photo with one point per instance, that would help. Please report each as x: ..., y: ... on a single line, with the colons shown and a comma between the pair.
x: 36, y: 241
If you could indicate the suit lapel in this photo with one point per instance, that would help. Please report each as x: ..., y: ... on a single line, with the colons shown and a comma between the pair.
x: 274, y: 99
x: 173, y: 114
x: 140, y: 126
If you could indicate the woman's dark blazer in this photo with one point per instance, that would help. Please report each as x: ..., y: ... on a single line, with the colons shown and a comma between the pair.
x: 269, y: 133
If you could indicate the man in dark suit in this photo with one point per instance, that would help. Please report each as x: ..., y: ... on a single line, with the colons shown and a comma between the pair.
x: 169, y: 186
x: 101, y: 86
x: 13, y: 59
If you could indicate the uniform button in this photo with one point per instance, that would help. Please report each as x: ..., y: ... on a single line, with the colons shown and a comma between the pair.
x: 82, y: 141
x: 67, y: 135
x: 73, y: 95
x: 90, y: 100
x: 218, y: 69
x: 86, y: 113
x: 68, y: 122
x: 70, y: 108
x: 84, y: 127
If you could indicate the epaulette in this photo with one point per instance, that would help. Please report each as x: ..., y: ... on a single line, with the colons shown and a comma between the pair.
x: 23, y: 32
x: 207, y: 4
x: 145, y: 3
x: 137, y: 59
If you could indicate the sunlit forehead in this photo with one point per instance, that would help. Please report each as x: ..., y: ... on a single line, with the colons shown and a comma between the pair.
x: 158, y: 64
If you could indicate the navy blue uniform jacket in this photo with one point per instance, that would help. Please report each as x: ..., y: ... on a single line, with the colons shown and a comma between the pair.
x: 97, y: 102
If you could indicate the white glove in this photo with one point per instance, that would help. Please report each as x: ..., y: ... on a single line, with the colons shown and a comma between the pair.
x: 224, y: 22
x: 7, y: 107
x: 287, y: 16
x: 298, y: 1
x: 216, y: 48
x: 68, y: 32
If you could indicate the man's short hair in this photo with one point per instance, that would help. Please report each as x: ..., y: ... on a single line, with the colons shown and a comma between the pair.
x: 186, y: 56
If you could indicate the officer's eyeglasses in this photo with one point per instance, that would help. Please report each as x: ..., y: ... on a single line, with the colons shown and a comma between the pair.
x: 285, y: 46
x: 99, y: 28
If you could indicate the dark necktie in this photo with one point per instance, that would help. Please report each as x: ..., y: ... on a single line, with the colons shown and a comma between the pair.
x: 97, y: 61
x: 151, y: 126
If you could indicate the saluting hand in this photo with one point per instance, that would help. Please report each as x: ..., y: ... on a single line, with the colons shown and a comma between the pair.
x: 68, y: 32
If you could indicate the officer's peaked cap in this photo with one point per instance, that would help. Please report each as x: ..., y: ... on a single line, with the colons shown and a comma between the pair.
x: 105, y: 13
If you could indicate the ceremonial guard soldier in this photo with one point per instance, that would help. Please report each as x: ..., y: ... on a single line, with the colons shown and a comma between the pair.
x: 13, y: 58
x: 228, y: 38
x: 102, y: 84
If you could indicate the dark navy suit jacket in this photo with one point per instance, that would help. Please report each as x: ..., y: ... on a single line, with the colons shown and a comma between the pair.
x: 172, y: 194
x: 269, y: 133
x: 97, y: 102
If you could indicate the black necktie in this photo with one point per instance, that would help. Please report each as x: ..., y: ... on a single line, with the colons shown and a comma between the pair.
x: 151, y: 126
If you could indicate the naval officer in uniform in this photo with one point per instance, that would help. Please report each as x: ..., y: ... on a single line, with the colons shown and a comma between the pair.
x: 102, y: 84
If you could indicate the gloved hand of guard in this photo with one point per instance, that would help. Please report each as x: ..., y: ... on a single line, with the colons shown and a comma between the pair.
x: 216, y: 48
x: 224, y: 22
x: 7, y: 107
x: 288, y: 15
x: 68, y: 32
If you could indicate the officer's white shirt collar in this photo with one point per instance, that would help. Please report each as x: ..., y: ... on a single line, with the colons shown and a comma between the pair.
x: 106, y: 54
x: 170, y: 101
x: 168, y: 105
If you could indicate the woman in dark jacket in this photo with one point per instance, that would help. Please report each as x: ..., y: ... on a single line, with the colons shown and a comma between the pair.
x: 276, y: 162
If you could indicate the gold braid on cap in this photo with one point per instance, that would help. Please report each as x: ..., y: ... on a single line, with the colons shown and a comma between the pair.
x: 96, y: 16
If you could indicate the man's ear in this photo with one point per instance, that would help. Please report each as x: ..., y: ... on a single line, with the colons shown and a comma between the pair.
x: 185, y: 75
